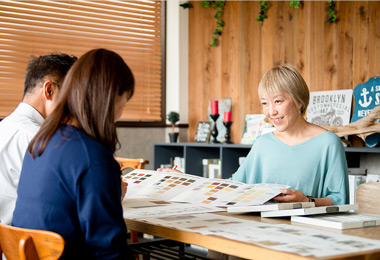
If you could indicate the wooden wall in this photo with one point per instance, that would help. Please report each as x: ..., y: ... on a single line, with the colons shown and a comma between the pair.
x: 329, y: 56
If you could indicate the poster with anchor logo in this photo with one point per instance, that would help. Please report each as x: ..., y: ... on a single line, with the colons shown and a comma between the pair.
x: 367, y: 96
x: 330, y: 108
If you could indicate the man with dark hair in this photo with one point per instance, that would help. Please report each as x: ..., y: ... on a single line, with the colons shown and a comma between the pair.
x: 43, y: 78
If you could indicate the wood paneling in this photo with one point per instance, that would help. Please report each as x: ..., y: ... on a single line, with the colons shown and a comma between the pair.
x: 329, y: 56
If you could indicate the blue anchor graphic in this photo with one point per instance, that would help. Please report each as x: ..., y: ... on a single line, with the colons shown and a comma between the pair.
x: 366, y: 102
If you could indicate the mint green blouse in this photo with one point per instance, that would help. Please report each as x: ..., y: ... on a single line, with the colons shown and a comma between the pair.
x: 317, y: 167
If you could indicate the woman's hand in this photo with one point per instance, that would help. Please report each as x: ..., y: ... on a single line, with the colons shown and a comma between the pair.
x: 290, y: 195
x: 124, y: 186
x: 168, y: 170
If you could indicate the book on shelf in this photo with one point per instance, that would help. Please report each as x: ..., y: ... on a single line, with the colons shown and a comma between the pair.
x: 180, y: 163
x: 309, y: 211
x: 214, y: 170
x: 373, y: 178
x: 353, y: 183
x: 357, y: 171
x: 270, y: 206
x: 182, y: 187
x: 166, y: 165
x: 211, y: 168
x: 241, y: 159
x: 344, y: 220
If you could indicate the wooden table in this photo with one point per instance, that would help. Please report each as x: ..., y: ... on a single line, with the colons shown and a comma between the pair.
x: 247, y: 250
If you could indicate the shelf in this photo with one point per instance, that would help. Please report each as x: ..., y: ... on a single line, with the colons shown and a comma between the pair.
x: 227, y: 153
x: 195, y: 152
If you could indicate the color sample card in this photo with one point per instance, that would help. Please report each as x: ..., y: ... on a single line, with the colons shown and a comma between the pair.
x: 254, y: 194
x: 168, y: 186
x: 138, y: 179
x: 210, y: 191
x: 228, y: 193
x: 171, y: 211
x: 299, y: 240
x: 181, y: 187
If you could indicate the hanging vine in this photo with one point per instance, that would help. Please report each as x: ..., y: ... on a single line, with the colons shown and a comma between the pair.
x: 295, y: 4
x: 263, y: 7
x: 219, y: 8
x: 331, y: 16
x: 186, y: 5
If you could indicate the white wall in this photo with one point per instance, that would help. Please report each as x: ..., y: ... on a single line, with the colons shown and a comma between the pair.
x: 177, y: 59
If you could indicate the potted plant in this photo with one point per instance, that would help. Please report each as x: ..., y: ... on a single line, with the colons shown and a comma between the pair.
x: 173, y: 118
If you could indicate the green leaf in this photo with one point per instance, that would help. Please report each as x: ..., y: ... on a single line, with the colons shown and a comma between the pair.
x: 186, y: 5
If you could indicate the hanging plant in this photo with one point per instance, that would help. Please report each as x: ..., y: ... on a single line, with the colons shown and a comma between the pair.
x: 331, y: 16
x: 219, y: 7
x: 263, y: 7
x: 186, y: 5
x: 295, y: 4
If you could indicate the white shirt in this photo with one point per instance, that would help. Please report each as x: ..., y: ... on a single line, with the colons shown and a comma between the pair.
x: 16, y: 131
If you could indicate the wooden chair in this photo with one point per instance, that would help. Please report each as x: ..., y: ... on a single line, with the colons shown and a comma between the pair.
x: 30, y: 244
x: 367, y: 196
x: 131, y: 163
x: 134, y: 164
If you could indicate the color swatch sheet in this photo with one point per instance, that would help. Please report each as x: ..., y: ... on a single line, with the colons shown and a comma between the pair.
x: 180, y: 187
x: 304, y: 241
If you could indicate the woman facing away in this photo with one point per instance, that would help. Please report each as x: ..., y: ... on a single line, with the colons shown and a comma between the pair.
x: 302, y: 155
x: 69, y: 175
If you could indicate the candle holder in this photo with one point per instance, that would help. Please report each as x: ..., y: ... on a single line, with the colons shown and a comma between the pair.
x: 214, y: 131
x: 227, y: 136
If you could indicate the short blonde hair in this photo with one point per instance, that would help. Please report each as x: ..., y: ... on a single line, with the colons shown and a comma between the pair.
x: 286, y: 78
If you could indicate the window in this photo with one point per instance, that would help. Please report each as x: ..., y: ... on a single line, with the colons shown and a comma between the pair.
x: 133, y: 29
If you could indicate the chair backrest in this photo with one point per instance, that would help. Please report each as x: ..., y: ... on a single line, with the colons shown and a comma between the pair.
x: 30, y: 244
x: 131, y: 163
x: 367, y: 197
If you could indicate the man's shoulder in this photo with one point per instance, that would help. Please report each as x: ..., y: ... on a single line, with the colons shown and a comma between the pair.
x: 24, y: 118
x: 15, y: 124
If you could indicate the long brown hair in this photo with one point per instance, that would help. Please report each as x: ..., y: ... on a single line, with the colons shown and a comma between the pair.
x: 88, y: 95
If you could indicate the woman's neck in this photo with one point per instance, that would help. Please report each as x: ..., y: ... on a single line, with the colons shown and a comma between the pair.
x: 73, y: 122
x: 299, y: 133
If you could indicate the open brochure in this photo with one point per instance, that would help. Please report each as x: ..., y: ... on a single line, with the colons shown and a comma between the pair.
x: 345, y: 220
x: 181, y: 187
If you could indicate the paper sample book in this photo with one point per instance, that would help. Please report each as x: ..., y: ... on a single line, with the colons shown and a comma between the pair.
x: 345, y: 220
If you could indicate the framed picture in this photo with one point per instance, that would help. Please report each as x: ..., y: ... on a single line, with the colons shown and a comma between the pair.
x: 203, y: 132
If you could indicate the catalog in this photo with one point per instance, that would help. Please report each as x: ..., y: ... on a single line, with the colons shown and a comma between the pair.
x: 270, y: 206
x: 340, y: 220
x: 309, y: 211
x: 181, y: 187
